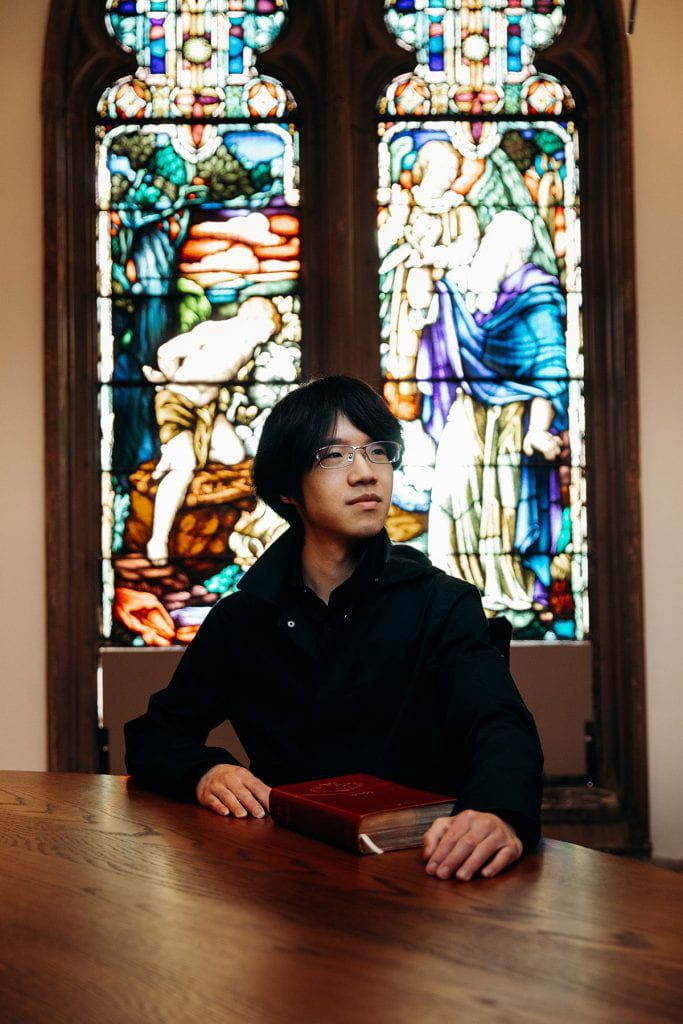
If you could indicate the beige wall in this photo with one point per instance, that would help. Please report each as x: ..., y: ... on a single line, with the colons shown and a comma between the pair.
x: 23, y: 727
x: 658, y: 76
x: 658, y: 96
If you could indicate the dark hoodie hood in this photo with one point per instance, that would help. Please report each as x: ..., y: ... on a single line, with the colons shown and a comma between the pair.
x: 384, y: 563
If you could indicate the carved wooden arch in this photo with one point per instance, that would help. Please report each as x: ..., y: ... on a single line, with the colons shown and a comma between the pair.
x: 336, y: 55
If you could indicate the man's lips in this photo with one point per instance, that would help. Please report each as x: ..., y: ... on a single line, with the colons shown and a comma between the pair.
x: 363, y: 499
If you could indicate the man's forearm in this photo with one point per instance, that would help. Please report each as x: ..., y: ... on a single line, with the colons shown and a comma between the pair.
x: 167, y: 761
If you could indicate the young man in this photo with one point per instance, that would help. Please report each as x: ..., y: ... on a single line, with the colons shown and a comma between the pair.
x: 344, y: 653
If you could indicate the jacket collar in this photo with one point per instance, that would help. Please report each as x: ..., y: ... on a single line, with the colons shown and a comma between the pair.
x: 279, y: 568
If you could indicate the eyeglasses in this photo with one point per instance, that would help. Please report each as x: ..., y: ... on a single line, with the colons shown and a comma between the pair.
x: 332, y: 456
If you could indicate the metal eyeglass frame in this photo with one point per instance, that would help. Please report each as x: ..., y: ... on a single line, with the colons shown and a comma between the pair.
x: 350, y: 453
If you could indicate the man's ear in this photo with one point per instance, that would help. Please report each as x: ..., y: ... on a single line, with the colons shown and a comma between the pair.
x: 287, y: 499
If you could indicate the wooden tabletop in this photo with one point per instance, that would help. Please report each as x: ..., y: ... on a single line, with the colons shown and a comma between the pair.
x: 120, y: 906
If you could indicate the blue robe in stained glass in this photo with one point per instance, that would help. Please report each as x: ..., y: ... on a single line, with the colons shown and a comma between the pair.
x: 513, y: 354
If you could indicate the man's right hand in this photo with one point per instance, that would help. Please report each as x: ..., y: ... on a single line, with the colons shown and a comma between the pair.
x: 231, y: 789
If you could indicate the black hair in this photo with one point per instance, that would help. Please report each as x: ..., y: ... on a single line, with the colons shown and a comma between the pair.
x: 303, y: 421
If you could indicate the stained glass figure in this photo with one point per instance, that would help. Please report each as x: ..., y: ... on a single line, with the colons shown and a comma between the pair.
x: 480, y: 304
x: 199, y: 319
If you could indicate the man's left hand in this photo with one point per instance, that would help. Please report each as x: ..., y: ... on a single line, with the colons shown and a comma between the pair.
x: 468, y: 843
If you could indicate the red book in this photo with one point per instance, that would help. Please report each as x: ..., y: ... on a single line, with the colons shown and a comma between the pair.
x: 359, y: 812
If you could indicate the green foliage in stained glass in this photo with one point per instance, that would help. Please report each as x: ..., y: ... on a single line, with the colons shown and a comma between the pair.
x: 225, y: 177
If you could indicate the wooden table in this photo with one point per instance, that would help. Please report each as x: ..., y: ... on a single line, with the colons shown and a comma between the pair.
x: 117, y: 905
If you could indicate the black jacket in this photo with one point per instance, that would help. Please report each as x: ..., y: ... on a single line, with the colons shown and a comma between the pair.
x: 396, y: 677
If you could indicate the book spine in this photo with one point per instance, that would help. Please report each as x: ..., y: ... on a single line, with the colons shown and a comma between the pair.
x: 314, y: 820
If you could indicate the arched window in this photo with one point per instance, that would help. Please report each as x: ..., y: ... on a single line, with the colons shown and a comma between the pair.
x: 199, y: 330
x: 480, y: 307
x: 137, y: 286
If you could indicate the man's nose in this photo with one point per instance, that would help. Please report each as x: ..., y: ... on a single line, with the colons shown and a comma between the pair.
x: 361, y: 468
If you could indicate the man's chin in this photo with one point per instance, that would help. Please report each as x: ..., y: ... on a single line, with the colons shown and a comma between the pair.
x: 366, y: 531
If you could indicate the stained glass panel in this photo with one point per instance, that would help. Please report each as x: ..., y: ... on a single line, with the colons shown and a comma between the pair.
x: 199, y: 307
x: 480, y: 305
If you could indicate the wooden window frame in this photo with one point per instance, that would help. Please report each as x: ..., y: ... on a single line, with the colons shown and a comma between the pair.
x: 340, y: 324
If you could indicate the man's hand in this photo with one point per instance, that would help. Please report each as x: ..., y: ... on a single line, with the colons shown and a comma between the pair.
x: 470, y: 842
x: 231, y: 789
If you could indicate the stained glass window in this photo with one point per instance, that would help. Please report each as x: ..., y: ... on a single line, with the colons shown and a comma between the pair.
x: 480, y: 305
x: 199, y: 308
